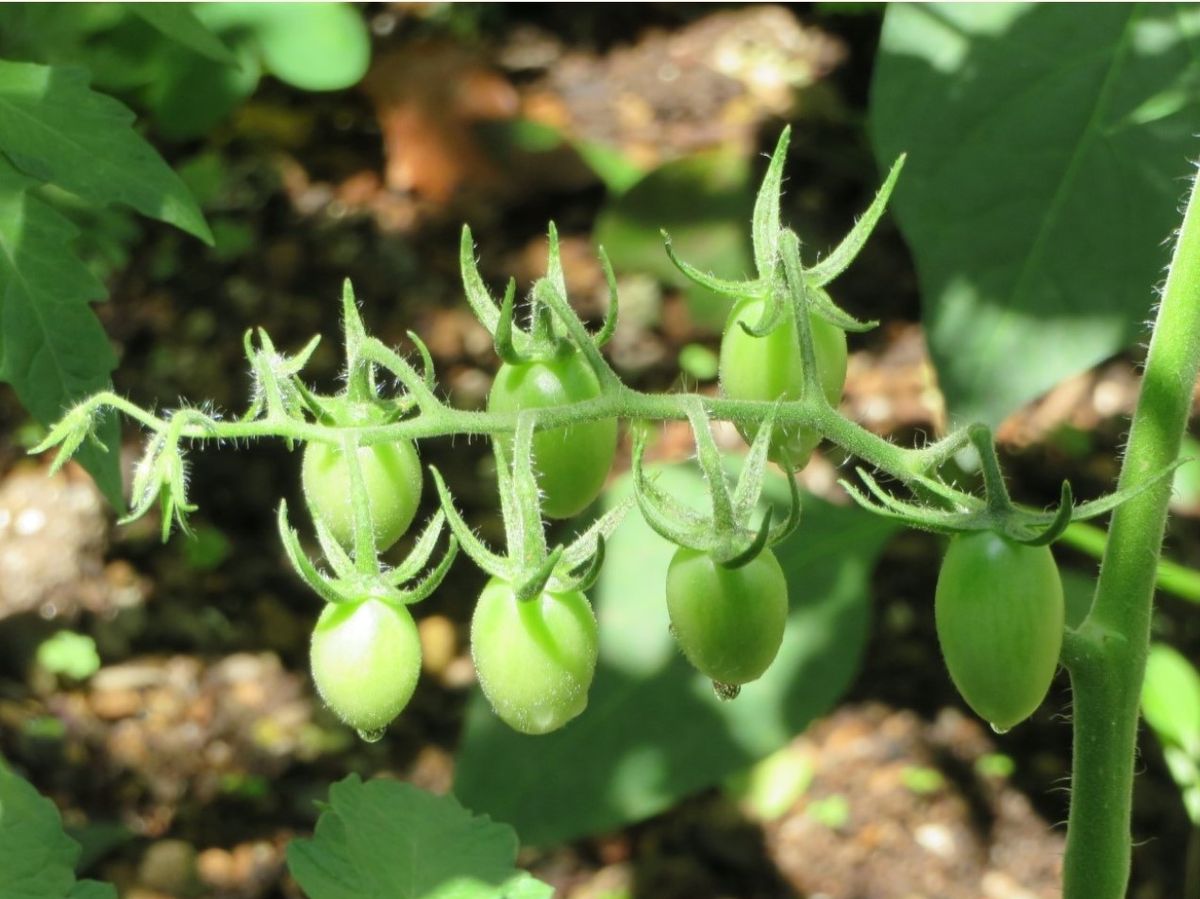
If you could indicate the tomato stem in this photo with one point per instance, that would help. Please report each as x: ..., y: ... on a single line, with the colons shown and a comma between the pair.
x: 1107, y: 661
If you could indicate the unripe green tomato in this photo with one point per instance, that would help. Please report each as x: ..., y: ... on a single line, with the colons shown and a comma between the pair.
x: 770, y: 367
x: 999, y: 610
x: 729, y: 622
x: 535, y: 658
x: 571, y: 463
x: 392, y: 475
x: 365, y: 660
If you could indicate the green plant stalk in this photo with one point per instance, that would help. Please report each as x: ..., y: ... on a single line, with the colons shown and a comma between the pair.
x: 1106, y: 656
x: 1171, y: 577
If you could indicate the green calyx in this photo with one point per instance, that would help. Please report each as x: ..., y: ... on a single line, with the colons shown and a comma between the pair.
x: 530, y: 564
x: 727, y: 534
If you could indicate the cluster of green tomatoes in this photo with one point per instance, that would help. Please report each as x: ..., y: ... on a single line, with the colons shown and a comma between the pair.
x: 999, y: 604
x: 536, y: 656
x: 552, y: 417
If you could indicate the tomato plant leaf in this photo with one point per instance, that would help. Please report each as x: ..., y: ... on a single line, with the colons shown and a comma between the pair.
x: 389, y: 840
x: 52, y: 348
x: 1037, y: 196
x: 654, y: 730
x: 54, y: 128
x: 37, y: 858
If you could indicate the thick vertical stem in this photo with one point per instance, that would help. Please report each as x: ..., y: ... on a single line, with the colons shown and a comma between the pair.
x: 1107, y: 659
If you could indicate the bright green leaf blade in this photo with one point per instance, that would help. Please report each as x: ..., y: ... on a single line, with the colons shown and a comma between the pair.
x: 1048, y: 149
x: 52, y: 348
x: 312, y: 46
x: 388, y: 840
x: 54, y: 128
x: 37, y: 859
x: 1171, y: 699
x: 178, y: 22
x: 654, y: 731
x: 704, y: 202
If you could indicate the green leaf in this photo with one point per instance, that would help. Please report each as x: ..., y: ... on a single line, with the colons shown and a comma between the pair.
x: 52, y: 348
x: 1048, y: 151
x: 654, y: 731
x: 54, y: 128
x: 312, y: 46
x: 1171, y: 699
x: 70, y: 654
x: 37, y: 859
x: 704, y: 202
x: 178, y: 22
x: 389, y: 840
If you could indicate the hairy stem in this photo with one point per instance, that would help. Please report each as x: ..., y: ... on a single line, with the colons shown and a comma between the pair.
x: 1107, y: 656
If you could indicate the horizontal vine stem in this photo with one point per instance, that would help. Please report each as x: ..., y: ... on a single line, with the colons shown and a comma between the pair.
x: 620, y: 402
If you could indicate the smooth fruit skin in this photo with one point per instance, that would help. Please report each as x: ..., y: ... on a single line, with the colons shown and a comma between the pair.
x: 366, y: 657
x: 1000, y: 613
x: 770, y: 367
x: 535, y: 658
x: 392, y: 475
x: 728, y: 622
x: 572, y: 463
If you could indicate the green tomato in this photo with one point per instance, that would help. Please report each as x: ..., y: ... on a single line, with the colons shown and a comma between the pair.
x: 392, y: 475
x: 571, y: 463
x: 365, y: 660
x: 999, y: 610
x: 729, y: 622
x: 535, y: 658
x: 770, y: 367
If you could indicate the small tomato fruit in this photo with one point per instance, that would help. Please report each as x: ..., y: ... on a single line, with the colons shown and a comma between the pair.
x: 729, y: 622
x: 999, y: 612
x: 770, y: 367
x: 392, y: 475
x: 535, y: 658
x: 571, y: 463
x: 366, y: 657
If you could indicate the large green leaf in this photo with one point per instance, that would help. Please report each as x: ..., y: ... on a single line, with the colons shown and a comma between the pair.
x: 37, y: 859
x: 389, y: 840
x: 654, y: 731
x: 54, y: 128
x: 1048, y: 148
x: 52, y: 348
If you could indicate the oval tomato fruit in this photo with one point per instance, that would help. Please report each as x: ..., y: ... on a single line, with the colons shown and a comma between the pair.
x: 770, y: 367
x: 535, y: 658
x: 571, y: 463
x: 392, y: 475
x: 999, y: 610
x: 366, y: 657
x: 729, y: 622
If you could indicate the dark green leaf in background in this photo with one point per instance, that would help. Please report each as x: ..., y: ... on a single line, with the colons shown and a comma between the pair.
x: 388, y: 840
x: 1049, y: 147
x: 653, y: 731
x: 52, y: 348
